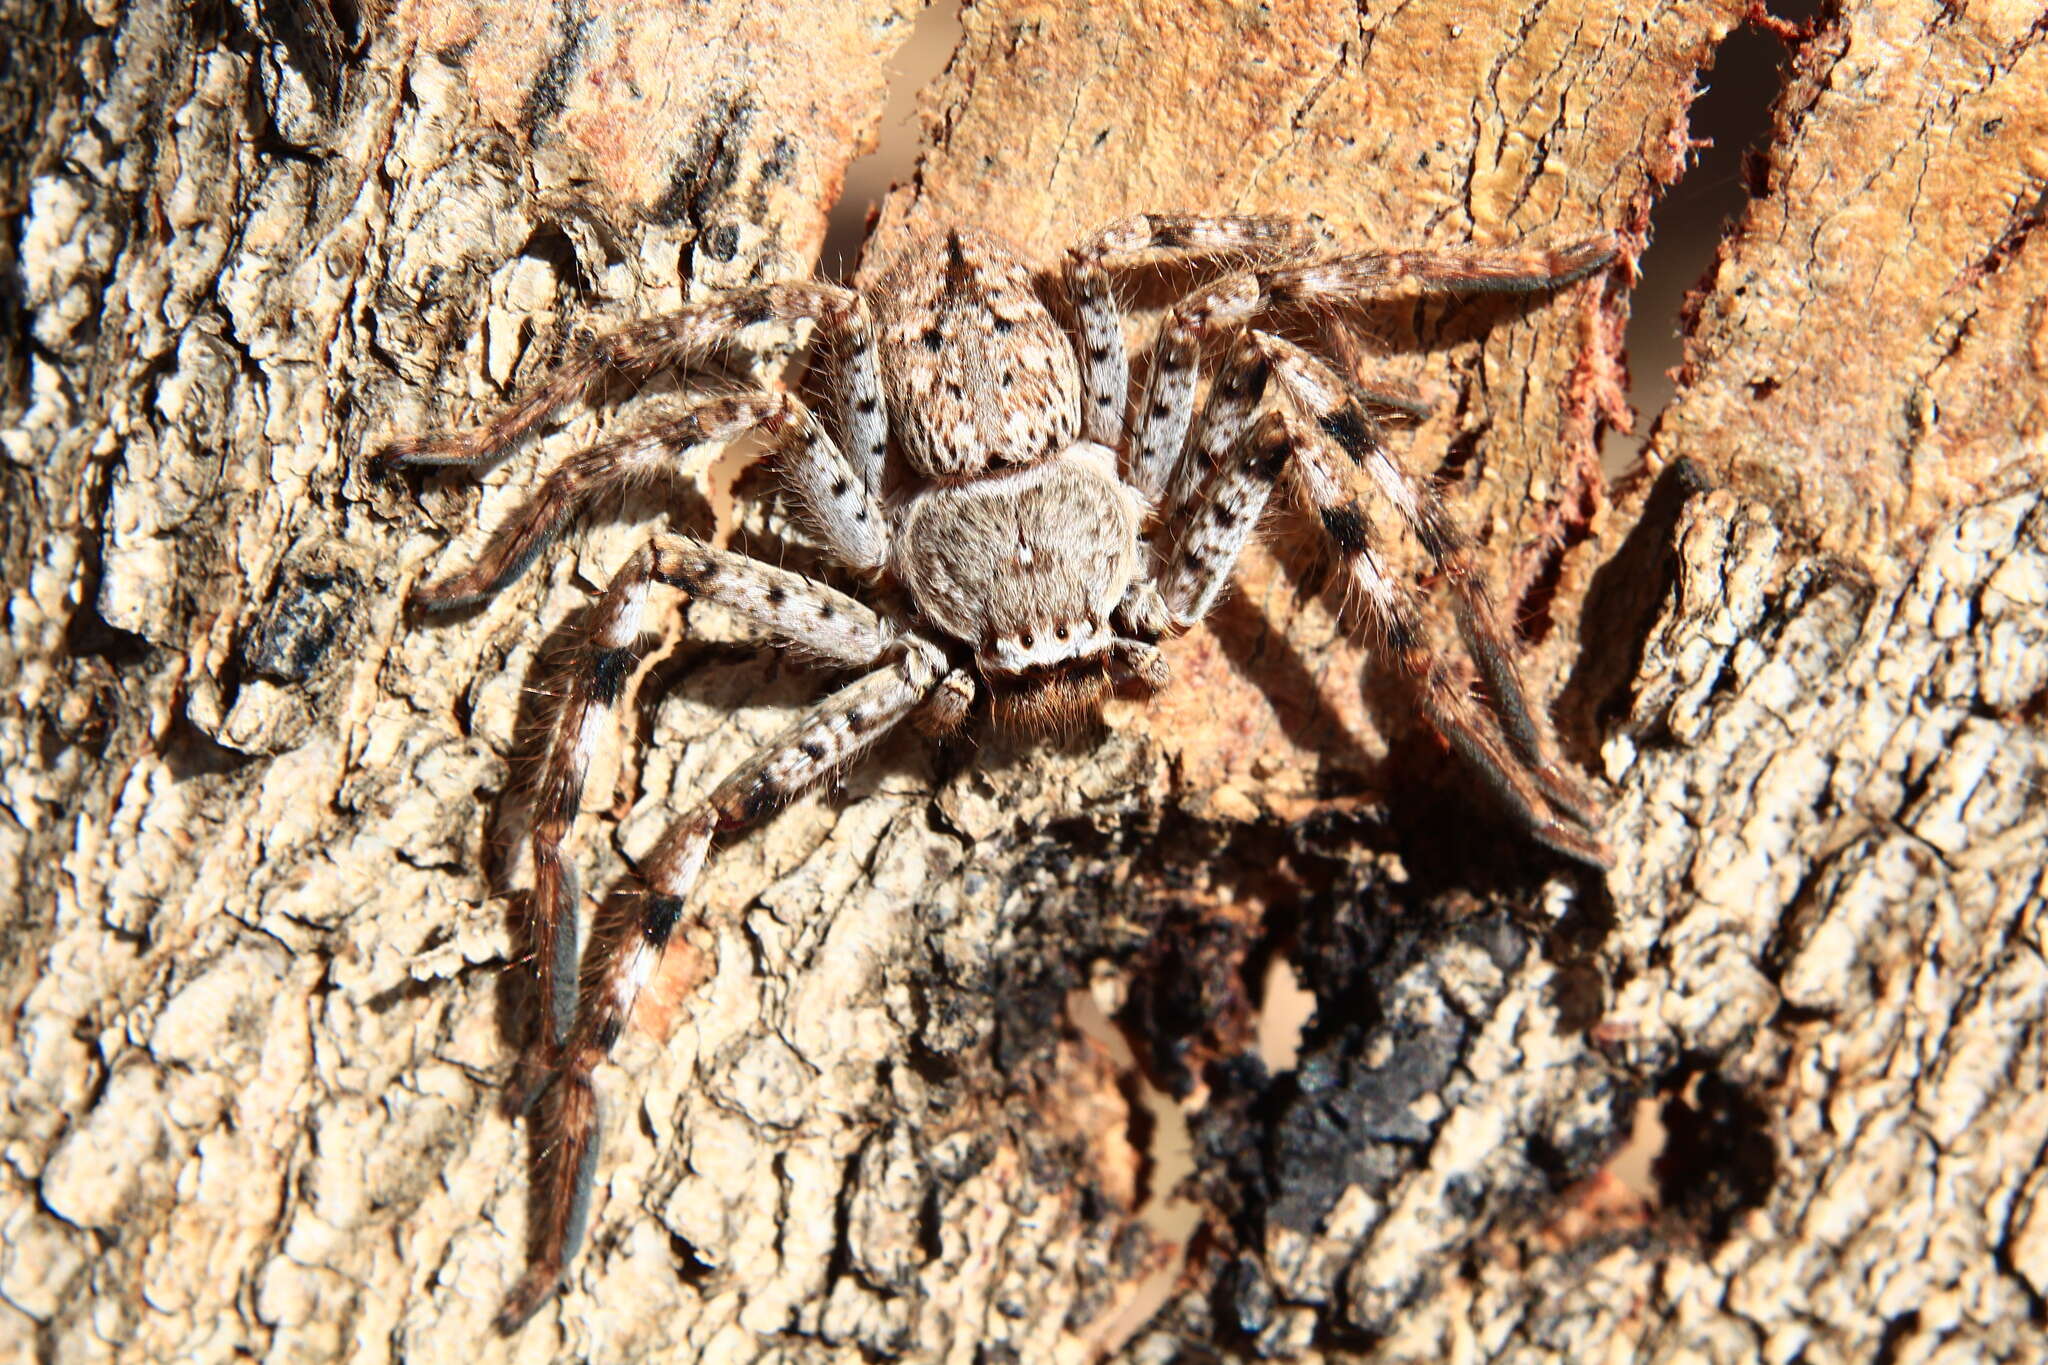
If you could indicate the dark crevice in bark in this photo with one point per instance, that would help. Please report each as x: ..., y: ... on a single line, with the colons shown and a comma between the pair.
x: 1621, y: 605
x: 1719, y: 1159
x: 1731, y: 122
x: 919, y: 62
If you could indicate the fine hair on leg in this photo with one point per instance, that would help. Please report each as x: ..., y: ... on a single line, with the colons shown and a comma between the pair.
x: 625, y: 950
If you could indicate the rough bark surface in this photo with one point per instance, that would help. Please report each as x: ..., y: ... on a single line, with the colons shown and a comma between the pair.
x: 260, y: 830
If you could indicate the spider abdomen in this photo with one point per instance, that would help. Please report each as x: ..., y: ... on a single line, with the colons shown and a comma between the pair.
x: 977, y: 374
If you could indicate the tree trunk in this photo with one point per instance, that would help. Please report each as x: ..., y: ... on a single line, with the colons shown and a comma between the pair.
x: 260, y: 978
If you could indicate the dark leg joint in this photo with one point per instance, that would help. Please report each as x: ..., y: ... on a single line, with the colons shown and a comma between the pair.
x: 760, y: 798
x: 1351, y: 429
x: 658, y: 920
x: 1347, y: 527
x: 608, y: 671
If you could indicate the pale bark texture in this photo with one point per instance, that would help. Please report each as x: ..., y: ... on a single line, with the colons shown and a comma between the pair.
x: 260, y: 830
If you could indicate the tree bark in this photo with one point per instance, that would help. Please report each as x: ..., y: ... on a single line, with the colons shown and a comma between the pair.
x: 261, y: 984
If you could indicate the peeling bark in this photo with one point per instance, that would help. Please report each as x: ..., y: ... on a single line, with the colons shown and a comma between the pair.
x: 261, y: 829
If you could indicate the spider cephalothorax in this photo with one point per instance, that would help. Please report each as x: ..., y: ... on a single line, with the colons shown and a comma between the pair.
x: 982, y: 459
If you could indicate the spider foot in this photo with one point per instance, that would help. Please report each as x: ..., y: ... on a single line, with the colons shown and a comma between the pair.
x: 1570, y: 797
x: 1575, y: 262
x: 1556, y: 811
x: 565, y: 1160
x: 539, y: 1284
x: 412, y: 452
x: 1581, y: 845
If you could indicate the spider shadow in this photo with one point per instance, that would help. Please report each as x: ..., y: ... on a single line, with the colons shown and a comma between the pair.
x: 1261, y: 655
x: 1623, y: 600
x: 1450, y: 829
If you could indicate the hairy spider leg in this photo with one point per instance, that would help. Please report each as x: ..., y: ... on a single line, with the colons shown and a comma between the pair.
x: 1338, y: 409
x: 1390, y: 605
x: 1106, y: 367
x: 818, y: 619
x: 1167, y: 409
x: 1150, y: 239
x: 832, y: 496
x: 837, y: 501
x: 692, y: 334
x: 1219, y: 522
x: 1221, y: 487
x: 864, y: 417
x: 1357, y: 276
x: 1339, y: 412
x: 1236, y: 393
x: 686, y: 337
x: 666, y: 448
x: 623, y: 952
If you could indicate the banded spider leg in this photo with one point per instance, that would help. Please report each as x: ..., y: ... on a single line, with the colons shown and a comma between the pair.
x: 905, y: 673
x: 1213, y: 472
x: 839, y: 497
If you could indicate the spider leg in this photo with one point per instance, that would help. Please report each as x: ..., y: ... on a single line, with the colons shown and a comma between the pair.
x: 1168, y: 406
x: 625, y: 950
x: 1220, y: 487
x: 1153, y: 239
x: 864, y: 417
x: 1218, y: 511
x: 1145, y: 239
x: 1235, y: 395
x: 811, y: 616
x: 1244, y: 295
x: 814, y: 617
x: 687, y: 336
x: 1319, y: 394
x: 1106, y: 373
x: 1381, y: 391
x: 1219, y: 522
x: 1218, y: 490
x: 836, y: 498
x: 1358, y: 276
x: 1474, y: 732
x: 589, y: 474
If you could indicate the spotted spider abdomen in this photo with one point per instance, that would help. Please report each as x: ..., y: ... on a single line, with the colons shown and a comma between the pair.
x: 977, y: 373
x: 1026, y: 567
